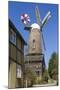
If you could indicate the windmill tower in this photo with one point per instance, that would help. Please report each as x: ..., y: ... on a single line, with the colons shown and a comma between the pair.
x: 35, y: 57
x: 35, y: 39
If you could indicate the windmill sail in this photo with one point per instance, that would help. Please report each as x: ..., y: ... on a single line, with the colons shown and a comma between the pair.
x: 39, y: 22
x: 38, y: 15
x: 46, y: 18
x: 43, y: 41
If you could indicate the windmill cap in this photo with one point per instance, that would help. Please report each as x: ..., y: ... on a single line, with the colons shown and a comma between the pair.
x: 35, y: 25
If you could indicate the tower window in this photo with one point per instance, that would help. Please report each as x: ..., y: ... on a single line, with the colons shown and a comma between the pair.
x: 33, y: 45
x: 33, y: 41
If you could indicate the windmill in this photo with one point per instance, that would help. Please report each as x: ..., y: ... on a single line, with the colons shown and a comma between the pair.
x: 36, y: 57
x: 26, y: 20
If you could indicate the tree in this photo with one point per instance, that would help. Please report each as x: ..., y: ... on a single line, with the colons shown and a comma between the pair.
x: 53, y: 66
x: 30, y: 76
x: 45, y: 76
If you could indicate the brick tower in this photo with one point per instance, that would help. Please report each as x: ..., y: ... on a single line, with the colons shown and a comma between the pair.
x: 35, y: 56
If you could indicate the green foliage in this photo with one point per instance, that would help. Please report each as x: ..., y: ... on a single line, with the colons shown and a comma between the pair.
x: 45, y: 76
x: 41, y: 81
x: 53, y: 66
x: 30, y: 75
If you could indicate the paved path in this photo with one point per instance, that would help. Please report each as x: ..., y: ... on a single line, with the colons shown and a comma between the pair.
x: 45, y: 85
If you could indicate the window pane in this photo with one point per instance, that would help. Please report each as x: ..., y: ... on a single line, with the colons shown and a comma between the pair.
x: 19, y: 71
x: 18, y: 42
x: 19, y: 56
x: 13, y: 52
x: 12, y: 36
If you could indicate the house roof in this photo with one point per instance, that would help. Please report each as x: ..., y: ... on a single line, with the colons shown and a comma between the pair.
x: 15, y: 29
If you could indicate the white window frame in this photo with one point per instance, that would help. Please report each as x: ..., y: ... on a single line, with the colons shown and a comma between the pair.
x: 19, y: 71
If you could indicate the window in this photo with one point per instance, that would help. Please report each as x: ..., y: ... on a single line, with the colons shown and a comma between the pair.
x: 22, y: 46
x: 19, y: 71
x: 33, y: 41
x: 38, y: 73
x: 33, y: 44
x: 12, y: 37
x: 19, y: 56
x: 13, y: 52
x: 18, y: 42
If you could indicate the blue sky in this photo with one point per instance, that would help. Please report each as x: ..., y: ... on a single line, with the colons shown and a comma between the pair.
x: 50, y: 30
